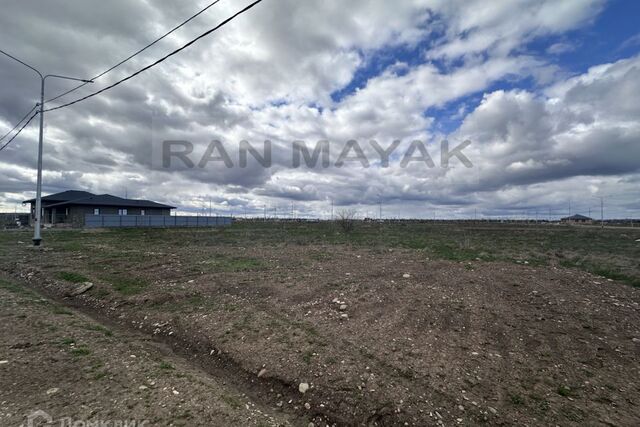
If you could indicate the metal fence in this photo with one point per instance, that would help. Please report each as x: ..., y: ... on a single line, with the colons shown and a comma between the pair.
x: 114, y: 221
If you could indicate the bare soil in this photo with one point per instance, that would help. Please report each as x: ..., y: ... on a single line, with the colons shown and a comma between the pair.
x: 382, y: 335
x: 74, y: 369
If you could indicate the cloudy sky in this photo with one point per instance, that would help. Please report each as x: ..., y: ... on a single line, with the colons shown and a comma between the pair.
x: 546, y: 91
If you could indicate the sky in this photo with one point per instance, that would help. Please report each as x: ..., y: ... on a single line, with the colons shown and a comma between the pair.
x: 545, y: 91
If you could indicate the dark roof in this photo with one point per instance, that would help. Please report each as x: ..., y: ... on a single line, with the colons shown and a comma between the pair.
x: 72, y: 197
x: 65, y: 196
x: 577, y: 217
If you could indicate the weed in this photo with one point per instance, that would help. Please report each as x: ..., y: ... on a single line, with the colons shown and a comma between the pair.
x: 100, y: 375
x: 80, y: 351
x: 166, y: 366
x: 564, y: 391
x: 516, y: 399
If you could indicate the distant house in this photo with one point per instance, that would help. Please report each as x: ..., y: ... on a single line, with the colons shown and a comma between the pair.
x: 577, y: 219
x: 70, y: 207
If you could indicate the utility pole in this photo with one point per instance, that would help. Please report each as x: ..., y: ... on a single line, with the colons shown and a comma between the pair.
x: 380, y: 211
x: 38, y: 219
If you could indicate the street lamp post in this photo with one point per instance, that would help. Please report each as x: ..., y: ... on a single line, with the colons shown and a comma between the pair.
x: 38, y: 213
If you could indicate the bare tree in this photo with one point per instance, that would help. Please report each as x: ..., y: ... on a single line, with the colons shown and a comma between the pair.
x: 346, y: 219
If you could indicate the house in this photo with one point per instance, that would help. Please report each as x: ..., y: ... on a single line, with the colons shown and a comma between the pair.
x: 70, y: 207
x: 577, y: 219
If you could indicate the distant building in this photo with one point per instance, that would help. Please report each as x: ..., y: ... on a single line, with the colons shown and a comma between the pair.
x: 70, y: 207
x: 577, y: 219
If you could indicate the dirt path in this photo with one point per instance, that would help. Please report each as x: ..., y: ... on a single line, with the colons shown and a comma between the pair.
x: 59, y: 361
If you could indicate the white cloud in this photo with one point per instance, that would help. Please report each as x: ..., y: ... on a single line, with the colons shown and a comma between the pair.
x: 271, y: 73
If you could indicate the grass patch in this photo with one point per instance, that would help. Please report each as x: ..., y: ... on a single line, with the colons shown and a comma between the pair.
x: 101, y: 329
x: 56, y: 309
x: 232, y: 401
x: 72, y: 277
x: 80, y: 351
x: 100, y: 375
x: 15, y: 288
x: 166, y: 366
x: 232, y: 264
x: 72, y: 247
x: 128, y: 285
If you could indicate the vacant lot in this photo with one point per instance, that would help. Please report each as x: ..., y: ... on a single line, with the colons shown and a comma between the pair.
x: 390, y: 324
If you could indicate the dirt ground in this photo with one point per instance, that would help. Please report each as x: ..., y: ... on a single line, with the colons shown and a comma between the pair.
x: 373, y: 335
x: 62, y: 362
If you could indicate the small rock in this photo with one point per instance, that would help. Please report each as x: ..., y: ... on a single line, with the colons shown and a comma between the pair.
x: 343, y: 307
x: 143, y: 387
x: 53, y: 390
x: 80, y: 289
x: 303, y: 387
x: 2, y: 362
x: 492, y: 410
x: 176, y: 392
x: 307, y: 405
x: 406, y: 275
x: 344, y: 316
x: 633, y: 339
x: 262, y: 372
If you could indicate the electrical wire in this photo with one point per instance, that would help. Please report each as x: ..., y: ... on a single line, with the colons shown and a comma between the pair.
x: 18, y: 133
x: 206, y: 33
x: 18, y: 124
x: 138, y: 52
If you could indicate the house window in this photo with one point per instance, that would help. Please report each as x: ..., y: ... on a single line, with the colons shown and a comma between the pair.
x: 96, y: 211
x: 122, y: 211
x: 142, y: 212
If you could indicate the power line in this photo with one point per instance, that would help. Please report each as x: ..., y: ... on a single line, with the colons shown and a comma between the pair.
x: 206, y: 33
x: 18, y: 133
x: 19, y: 123
x: 137, y: 52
